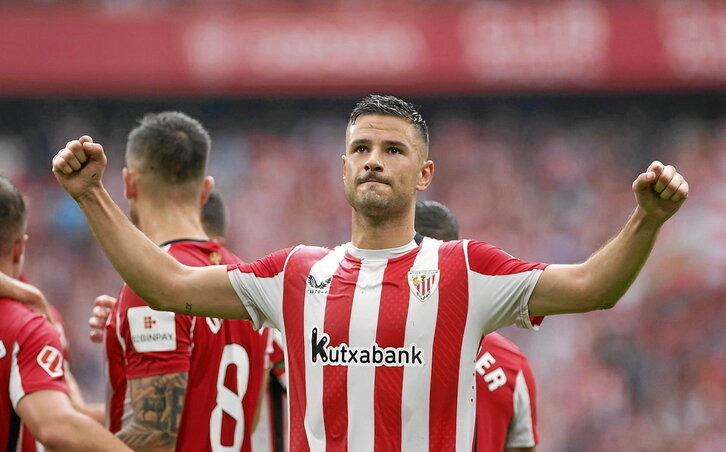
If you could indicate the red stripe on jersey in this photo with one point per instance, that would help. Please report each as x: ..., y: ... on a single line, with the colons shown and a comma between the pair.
x: 448, y: 337
x: 335, y: 378
x: 388, y: 389
x: 491, y: 260
x: 267, y: 267
x: 293, y: 314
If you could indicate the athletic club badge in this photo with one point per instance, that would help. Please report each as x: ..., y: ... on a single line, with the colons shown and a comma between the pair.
x: 423, y: 283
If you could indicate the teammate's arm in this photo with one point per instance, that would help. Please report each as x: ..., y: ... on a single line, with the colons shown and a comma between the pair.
x: 25, y: 293
x: 95, y: 411
x: 53, y: 421
x: 157, y: 404
x: 158, y: 278
x: 599, y: 282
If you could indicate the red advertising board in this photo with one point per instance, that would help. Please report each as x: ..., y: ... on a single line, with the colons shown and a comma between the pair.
x: 472, y: 48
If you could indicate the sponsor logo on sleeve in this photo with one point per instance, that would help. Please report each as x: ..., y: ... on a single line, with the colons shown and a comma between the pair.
x: 3, y: 351
x: 423, y: 283
x: 152, y: 331
x: 51, y: 360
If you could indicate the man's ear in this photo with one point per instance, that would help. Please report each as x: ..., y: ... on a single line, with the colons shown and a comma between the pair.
x: 425, y: 176
x: 130, y: 184
x: 344, y: 160
x: 19, y: 248
x: 207, y: 188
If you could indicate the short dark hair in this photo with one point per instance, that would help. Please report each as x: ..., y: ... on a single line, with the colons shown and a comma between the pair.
x: 375, y: 104
x: 435, y: 220
x: 13, y: 215
x: 173, y: 146
x: 214, y: 216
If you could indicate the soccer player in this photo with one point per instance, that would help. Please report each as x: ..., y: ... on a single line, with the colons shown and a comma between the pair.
x: 379, y: 332
x: 193, y: 383
x: 214, y: 222
x: 506, y: 413
x: 32, y: 387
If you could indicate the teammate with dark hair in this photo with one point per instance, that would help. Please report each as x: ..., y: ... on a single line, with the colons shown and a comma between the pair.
x: 193, y: 383
x: 506, y: 408
x: 32, y: 386
x: 214, y: 217
x: 379, y: 332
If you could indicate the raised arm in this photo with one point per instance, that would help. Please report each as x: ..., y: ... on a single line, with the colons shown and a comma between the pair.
x: 158, y: 278
x: 599, y: 282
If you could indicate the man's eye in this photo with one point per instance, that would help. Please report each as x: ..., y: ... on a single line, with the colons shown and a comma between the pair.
x: 394, y: 150
x: 360, y: 149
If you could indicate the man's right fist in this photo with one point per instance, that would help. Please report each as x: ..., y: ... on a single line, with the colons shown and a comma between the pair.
x: 79, y: 166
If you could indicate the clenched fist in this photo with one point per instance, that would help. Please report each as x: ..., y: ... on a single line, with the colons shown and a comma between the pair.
x: 660, y: 191
x: 79, y: 166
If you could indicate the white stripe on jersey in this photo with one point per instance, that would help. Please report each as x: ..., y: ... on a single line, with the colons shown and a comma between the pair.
x: 416, y: 389
x: 314, y: 316
x: 362, y: 333
x: 16, y: 381
x: 521, y: 432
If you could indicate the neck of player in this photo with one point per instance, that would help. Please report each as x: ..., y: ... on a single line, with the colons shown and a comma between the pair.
x: 166, y: 221
x: 379, y: 233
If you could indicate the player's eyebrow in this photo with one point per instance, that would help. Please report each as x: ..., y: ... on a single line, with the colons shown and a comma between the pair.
x: 395, y: 144
x: 386, y: 143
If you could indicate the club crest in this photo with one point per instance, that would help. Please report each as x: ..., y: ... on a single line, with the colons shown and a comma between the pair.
x: 423, y: 283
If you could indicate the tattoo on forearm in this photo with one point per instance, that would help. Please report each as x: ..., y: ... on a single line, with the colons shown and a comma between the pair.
x: 188, y: 309
x: 157, y: 403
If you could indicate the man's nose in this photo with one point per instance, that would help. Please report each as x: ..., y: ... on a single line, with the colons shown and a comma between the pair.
x: 374, y: 163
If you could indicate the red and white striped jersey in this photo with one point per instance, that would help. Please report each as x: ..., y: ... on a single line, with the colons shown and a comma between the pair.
x: 31, y: 359
x: 506, y: 408
x: 380, y: 345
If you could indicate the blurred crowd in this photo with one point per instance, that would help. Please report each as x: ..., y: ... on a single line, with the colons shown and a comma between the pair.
x: 547, y: 179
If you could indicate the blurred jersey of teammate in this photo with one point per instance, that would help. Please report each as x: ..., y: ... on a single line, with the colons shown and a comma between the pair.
x: 28, y: 443
x: 31, y: 359
x: 198, y: 378
x: 270, y: 434
x: 33, y: 388
x: 506, y: 414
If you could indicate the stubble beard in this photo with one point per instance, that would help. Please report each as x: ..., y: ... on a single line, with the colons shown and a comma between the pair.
x: 374, y: 205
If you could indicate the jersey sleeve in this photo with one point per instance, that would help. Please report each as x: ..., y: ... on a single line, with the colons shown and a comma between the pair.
x: 37, y: 360
x: 157, y: 342
x: 501, y: 285
x: 523, y: 428
x: 259, y: 286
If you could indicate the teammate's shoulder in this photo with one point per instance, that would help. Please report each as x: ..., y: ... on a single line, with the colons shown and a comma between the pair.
x: 16, y: 319
x: 15, y: 311
x: 190, y: 250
